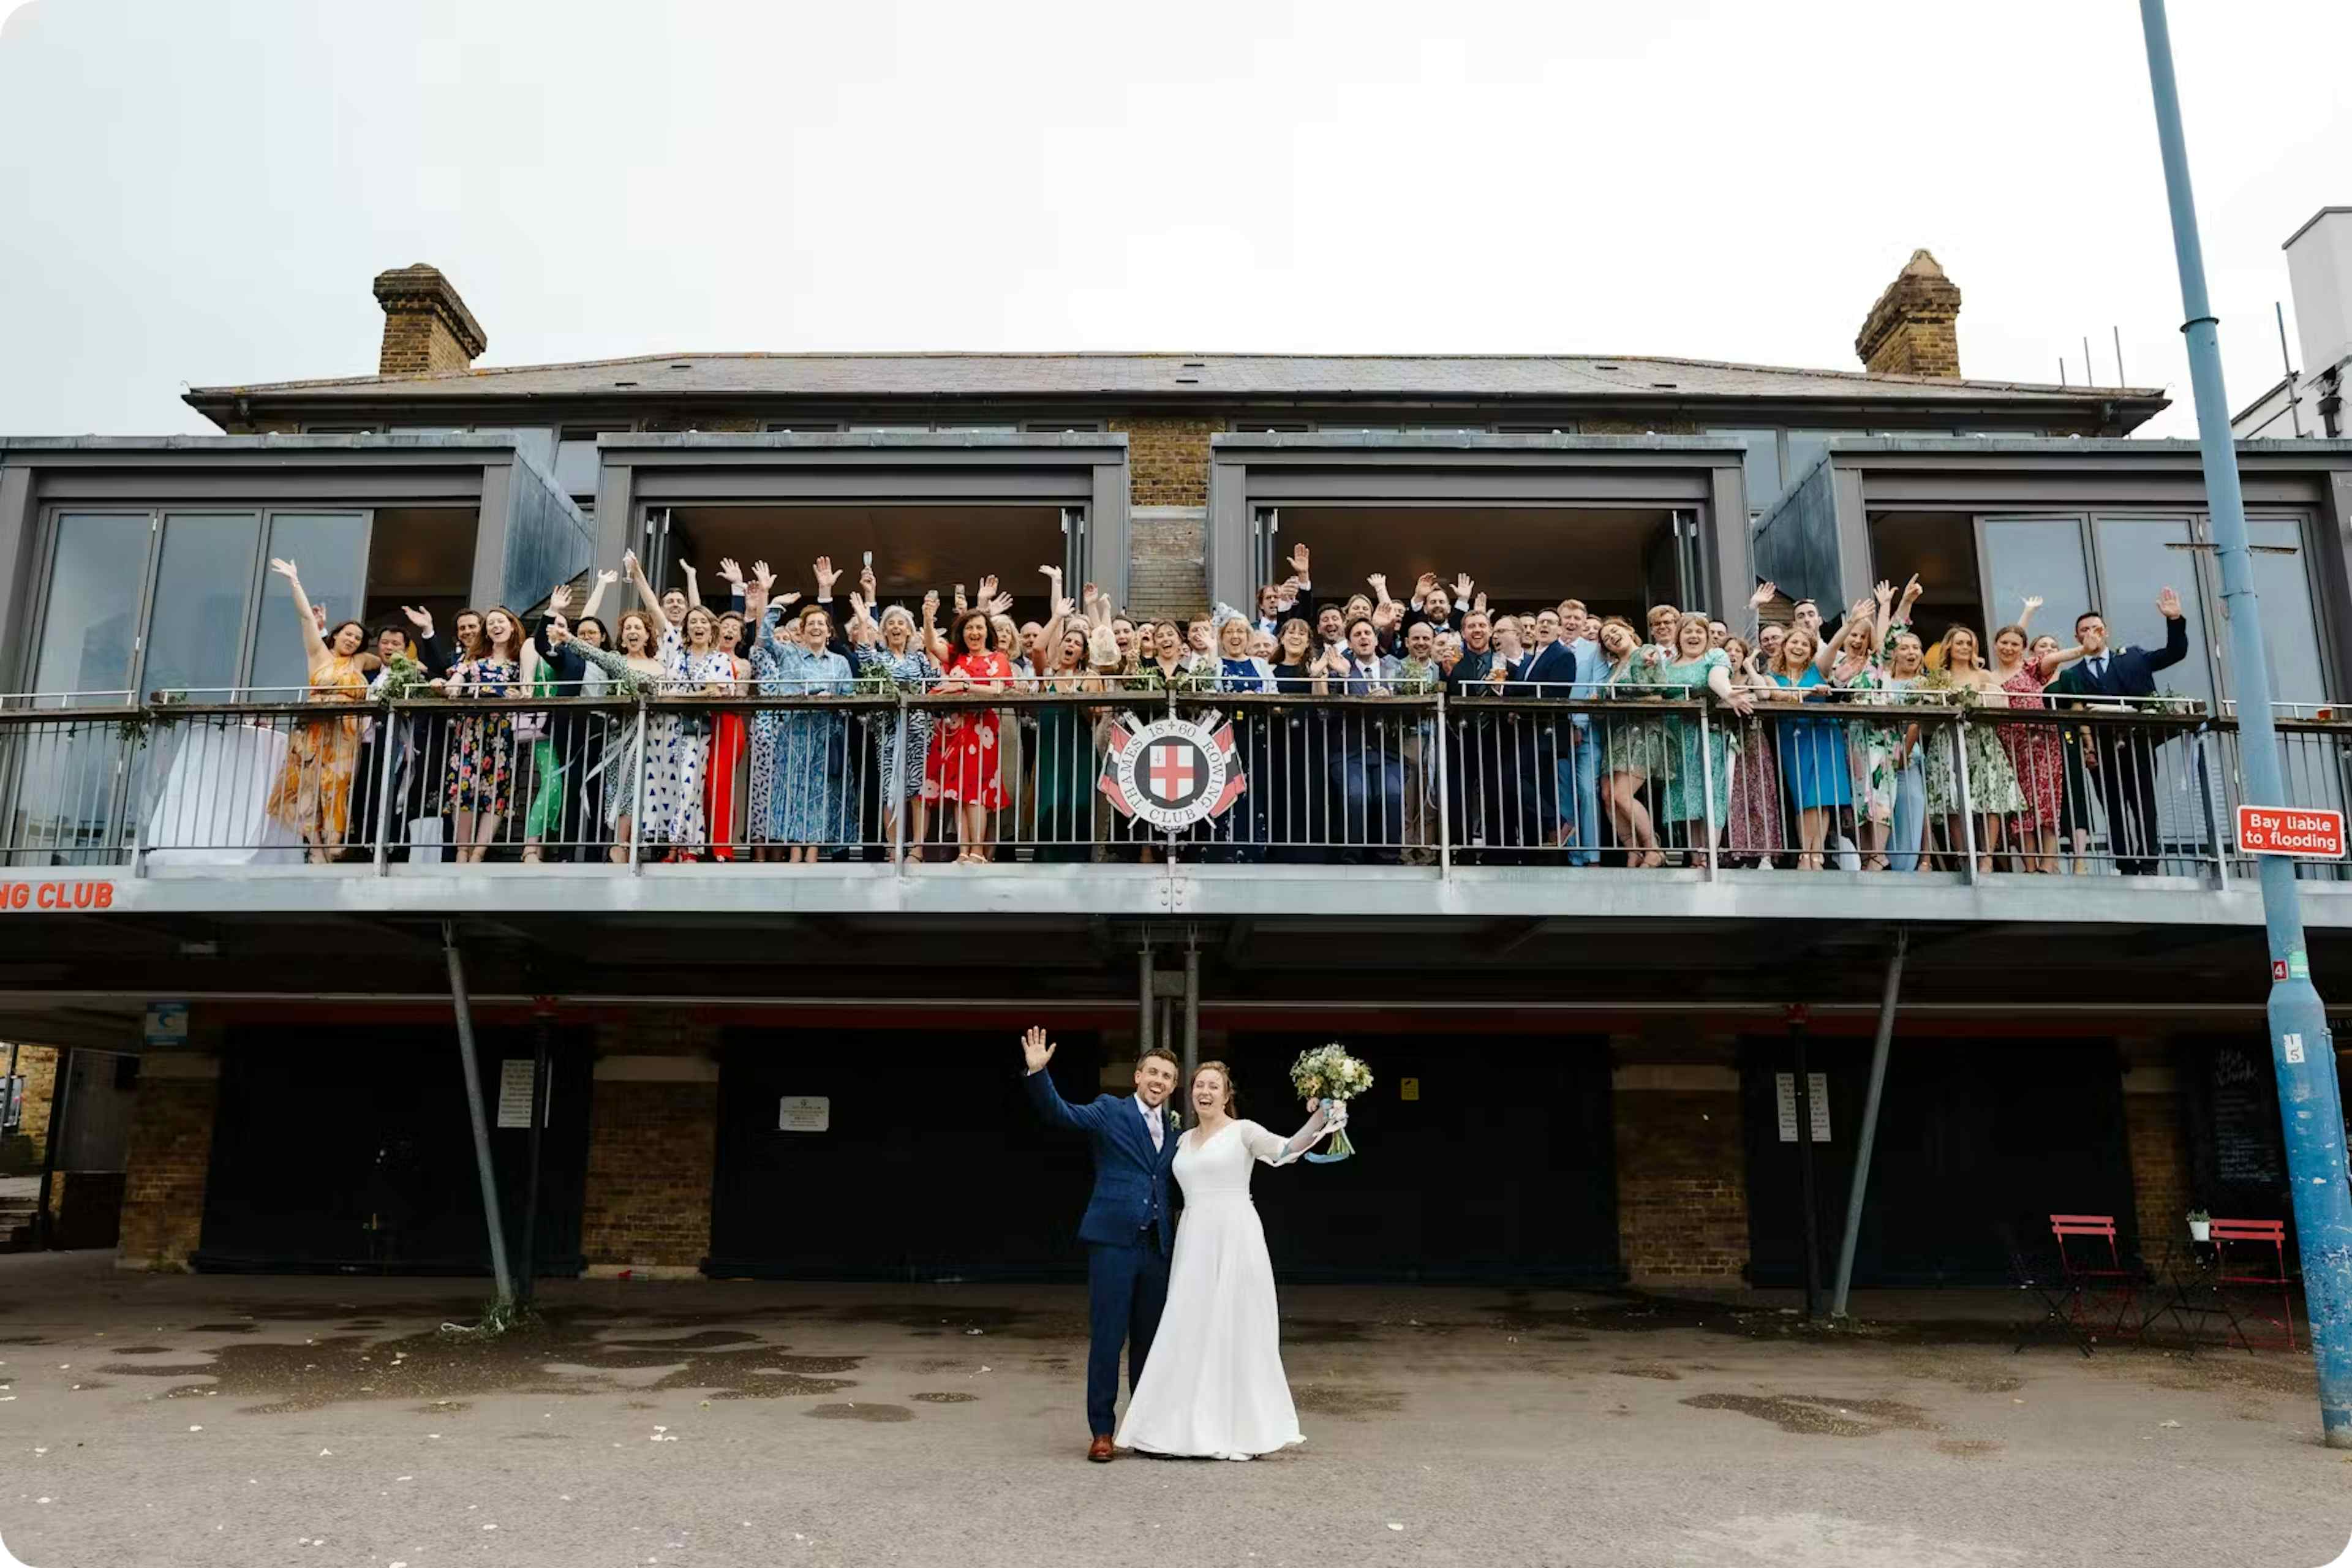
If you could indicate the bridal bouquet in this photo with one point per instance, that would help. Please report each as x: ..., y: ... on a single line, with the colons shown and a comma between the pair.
x: 1328, y: 1072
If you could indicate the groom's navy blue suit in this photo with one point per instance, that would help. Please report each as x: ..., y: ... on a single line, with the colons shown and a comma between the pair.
x: 1127, y: 1229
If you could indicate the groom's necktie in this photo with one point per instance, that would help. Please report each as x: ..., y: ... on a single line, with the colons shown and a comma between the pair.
x: 1152, y: 1118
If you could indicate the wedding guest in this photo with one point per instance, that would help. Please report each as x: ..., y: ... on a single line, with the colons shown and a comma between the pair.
x: 1992, y: 795
x: 1298, y: 821
x: 479, y: 778
x: 1368, y: 773
x: 1906, y: 668
x: 312, y: 794
x: 1752, y: 828
x: 1067, y: 764
x: 1812, y: 750
x: 631, y: 770
x: 2024, y: 665
x: 968, y: 765
x: 2125, y: 766
x: 900, y: 655
x: 1698, y: 790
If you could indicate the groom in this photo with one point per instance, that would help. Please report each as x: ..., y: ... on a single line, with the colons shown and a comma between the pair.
x: 1127, y: 1228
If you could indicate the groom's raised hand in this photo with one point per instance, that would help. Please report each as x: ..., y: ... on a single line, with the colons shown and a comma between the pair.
x: 1036, y: 1050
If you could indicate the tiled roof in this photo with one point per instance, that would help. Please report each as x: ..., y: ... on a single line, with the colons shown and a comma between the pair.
x: 1170, y: 375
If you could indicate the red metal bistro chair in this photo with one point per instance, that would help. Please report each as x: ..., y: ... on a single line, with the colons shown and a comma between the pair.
x: 2100, y: 1291
x: 2250, y: 1271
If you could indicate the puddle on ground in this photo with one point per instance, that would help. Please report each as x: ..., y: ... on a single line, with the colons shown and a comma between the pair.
x: 860, y: 1412
x: 142, y: 1350
x: 88, y: 1387
x: 944, y: 1398
x: 1650, y: 1370
x: 1348, y: 1403
x: 22, y: 1340
x: 1968, y: 1447
x: 1812, y: 1415
x: 222, y: 1329
x: 439, y: 1368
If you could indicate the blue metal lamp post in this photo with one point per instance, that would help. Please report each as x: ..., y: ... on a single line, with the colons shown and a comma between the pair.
x: 2301, y: 1051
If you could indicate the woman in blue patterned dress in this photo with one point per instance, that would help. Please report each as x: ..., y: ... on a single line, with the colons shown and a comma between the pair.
x: 805, y: 792
x: 1812, y: 752
x: 899, y: 655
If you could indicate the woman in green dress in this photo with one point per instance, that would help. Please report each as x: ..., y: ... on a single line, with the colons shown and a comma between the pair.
x: 1669, y: 755
x: 1067, y: 764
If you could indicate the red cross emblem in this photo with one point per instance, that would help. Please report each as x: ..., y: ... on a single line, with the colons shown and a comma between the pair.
x: 1171, y: 772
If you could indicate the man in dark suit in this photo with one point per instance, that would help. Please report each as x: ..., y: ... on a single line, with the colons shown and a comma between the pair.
x: 1128, y: 1229
x: 1548, y: 671
x: 2123, y: 761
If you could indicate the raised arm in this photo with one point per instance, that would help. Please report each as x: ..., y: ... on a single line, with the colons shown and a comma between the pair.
x: 693, y: 585
x: 2025, y: 617
x: 1756, y: 603
x: 933, y: 643
x: 314, y: 642
x: 2058, y: 659
x: 645, y: 595
x: 1037, y: 1051
x: 1736, y: 698
x: 2175, y: 632
x: 1330, y: 1115
x: 596, y: 593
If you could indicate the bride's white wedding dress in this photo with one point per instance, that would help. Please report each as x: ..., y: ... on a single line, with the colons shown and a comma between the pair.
x: 1212, y: 1386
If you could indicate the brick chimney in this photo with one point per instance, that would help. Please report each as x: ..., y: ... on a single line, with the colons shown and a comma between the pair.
x: 427, y: 327
x: 1911, y: 331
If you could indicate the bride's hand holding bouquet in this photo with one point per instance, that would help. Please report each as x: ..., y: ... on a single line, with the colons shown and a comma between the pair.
x: 1327, y: 1078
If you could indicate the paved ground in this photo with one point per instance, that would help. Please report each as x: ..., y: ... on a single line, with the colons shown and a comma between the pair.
x: 251, y: 1421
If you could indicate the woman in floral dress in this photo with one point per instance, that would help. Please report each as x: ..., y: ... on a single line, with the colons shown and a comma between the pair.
x: 1753, y: 830
x: 479, y: 771
x: 634, y: 670
x: 1992, y: 792
x: 1634, y: 750
x: 1856, y: 668
x: 899, y: 655
x: 804, y: 793
x: 1698, y: 791
x: 966, y: 765
x: 313, y: 792
x: 2023, y: 664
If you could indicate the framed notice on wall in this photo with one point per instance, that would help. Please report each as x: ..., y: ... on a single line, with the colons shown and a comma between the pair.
x: 516, y: 1091
x: 803, y: 1113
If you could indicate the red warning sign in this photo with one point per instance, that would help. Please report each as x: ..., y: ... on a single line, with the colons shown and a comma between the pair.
x: 2291, y: 830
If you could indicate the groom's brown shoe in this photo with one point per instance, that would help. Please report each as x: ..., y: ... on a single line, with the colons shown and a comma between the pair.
x: 1099, y: 1449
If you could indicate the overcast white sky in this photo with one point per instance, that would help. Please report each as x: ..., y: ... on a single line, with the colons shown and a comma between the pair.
x: 198, y: 192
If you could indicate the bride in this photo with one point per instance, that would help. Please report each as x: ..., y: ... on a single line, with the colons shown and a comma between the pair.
x: 1213, y: 1387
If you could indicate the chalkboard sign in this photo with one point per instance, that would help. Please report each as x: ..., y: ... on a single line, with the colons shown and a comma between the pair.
x: 2245, y: 1123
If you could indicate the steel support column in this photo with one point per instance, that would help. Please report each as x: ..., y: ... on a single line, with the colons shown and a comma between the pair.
x: 492, y: 1220
x: 1867, y: 1134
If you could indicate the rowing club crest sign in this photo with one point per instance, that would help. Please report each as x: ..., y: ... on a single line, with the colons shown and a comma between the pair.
x: 1171, y: 773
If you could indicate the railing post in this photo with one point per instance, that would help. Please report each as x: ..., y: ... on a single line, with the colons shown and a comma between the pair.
x: 2207, y: 778
x: 1706, y: 786
x: 1444, y: 800
x: 902, y: 851
x: 387, y: 742
x: 1961, y: 793
x: 638, y: 806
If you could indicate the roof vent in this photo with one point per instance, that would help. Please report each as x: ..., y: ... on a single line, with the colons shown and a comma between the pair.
x: 1668, y: 385
x: 1609, y: 367
x: 1188, y: 381
x: 1196, y: 364
x: 625, y: 383
x: 682, y: 365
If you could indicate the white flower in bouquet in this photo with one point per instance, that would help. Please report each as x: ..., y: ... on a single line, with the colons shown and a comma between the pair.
x: 1328, y: 1073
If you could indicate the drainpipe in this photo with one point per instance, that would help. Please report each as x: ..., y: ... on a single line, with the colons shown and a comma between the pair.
x: 2303, y: 1053
x: 60, y: 1105
x: 492, y: 1219
x: 1191, y: 1009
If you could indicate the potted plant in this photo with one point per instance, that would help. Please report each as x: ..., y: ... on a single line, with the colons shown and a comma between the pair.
x: 2200, y: 1226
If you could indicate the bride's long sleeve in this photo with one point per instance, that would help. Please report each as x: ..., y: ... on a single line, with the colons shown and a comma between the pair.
x: 1274, y: 1151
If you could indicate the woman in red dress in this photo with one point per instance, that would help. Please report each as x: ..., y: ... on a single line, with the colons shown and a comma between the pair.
x: 730, y: 742
x: 2024, y: 669
x: 963, y: 769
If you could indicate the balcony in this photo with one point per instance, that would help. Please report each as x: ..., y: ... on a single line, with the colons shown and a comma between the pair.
x: 1428, y: 807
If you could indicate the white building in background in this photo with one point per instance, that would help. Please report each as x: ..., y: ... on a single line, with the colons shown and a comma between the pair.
x: 2310, y: 401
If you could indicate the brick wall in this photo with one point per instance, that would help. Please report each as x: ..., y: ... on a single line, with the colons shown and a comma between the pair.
x: 418, y: 345
x: 1167, y: 573
x: 1168, y: 460
x: 1913, y: 327
x: 39, y: 1065
x: 2155, y: 1134
x: 1682, y: 1190
x: 652, y: 1147
x: 426, y: 328
x: 169, y: 1156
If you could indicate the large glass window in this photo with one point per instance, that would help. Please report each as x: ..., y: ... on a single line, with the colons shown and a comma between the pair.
x: 2139, y: 557
x: 96, y: 581
x: 201, y: 588
x: 2036, y: 556
x: 331, y: 549
x: 2291, y: 649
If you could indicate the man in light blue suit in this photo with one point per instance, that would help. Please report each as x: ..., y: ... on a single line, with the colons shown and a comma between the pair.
x: 1128, y: 1229
x: 1580, y: 772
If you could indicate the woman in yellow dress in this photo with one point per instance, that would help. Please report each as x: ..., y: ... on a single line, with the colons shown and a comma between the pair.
x: 313, y: 793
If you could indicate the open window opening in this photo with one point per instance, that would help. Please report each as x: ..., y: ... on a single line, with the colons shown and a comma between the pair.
x: 914, y: 548
x: 1619, y: 560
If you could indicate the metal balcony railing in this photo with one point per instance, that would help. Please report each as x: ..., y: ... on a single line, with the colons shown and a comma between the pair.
x: 904, y: 782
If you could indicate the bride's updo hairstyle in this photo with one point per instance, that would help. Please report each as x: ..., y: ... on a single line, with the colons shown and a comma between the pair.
x: 1232, y: 1095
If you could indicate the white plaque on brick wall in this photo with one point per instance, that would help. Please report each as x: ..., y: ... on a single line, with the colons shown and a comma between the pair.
x: 515, y: 1095
x: 803, y: 1113
x: 1817, y: 1088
